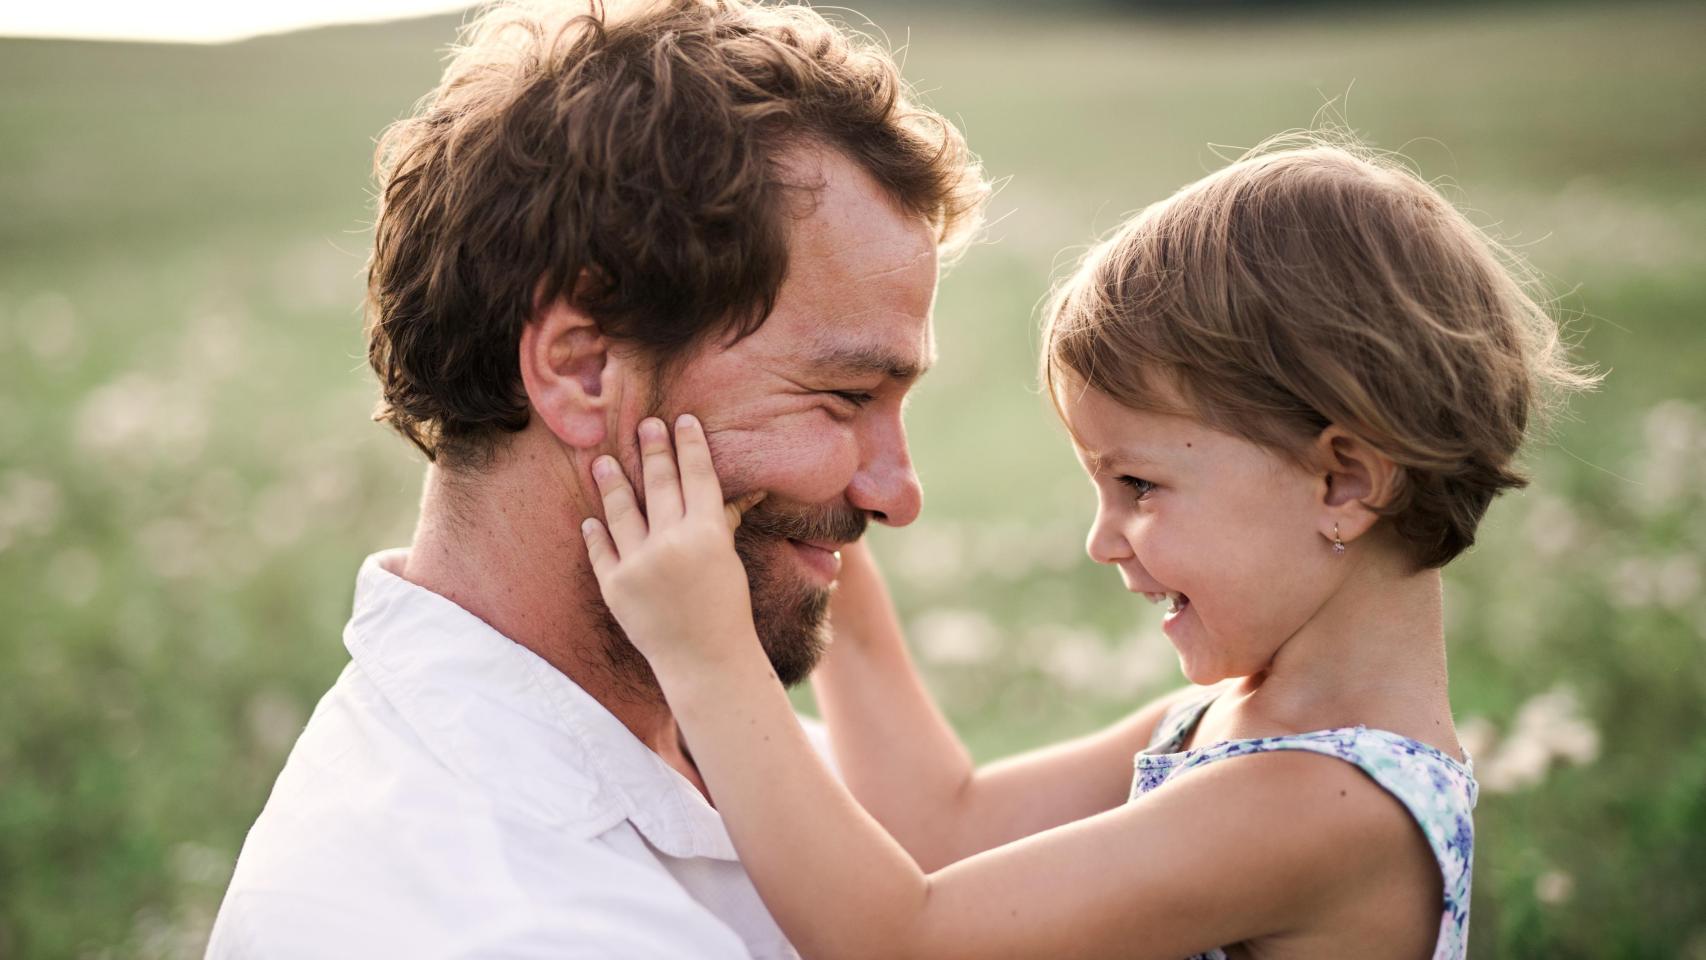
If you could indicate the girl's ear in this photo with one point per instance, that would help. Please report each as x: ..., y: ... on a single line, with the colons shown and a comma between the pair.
x: 567, y: 372
x: 1357, y: 480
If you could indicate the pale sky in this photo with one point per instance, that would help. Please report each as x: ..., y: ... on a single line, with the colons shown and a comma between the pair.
x: 197, y: 21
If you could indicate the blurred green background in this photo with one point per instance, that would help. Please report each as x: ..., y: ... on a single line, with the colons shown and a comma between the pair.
x: 188, y: 479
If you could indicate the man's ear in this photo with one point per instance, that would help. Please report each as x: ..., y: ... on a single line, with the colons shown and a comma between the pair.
x: 1357, y: 478
x: 566, y: 371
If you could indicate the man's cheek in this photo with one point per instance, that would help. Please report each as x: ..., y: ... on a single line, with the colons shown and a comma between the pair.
x: 799, y: 463
x: 733, y: 456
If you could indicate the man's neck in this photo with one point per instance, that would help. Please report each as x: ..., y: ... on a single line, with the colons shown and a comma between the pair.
x: 505, y: 547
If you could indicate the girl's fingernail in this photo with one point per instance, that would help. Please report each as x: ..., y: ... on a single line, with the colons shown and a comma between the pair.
x: 601, y: 467
x: 588, y: 525
x: 686, y: 420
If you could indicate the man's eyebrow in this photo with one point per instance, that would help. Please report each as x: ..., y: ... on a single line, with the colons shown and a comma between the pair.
x: 864, y: 361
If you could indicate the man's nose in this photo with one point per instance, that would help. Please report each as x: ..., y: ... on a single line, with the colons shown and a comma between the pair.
x: 886, y: 486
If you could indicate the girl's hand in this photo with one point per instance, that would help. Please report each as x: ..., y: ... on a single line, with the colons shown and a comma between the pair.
x: 670, y: 575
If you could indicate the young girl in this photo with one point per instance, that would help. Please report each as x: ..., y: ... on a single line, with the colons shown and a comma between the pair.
x: 1295, y: 386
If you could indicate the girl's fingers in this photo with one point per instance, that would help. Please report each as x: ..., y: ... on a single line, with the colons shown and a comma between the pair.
x: 657, y: 466
x: 735, y: 509
x: 701, y: 491
x: 621, y: 513
x: 599, y: 547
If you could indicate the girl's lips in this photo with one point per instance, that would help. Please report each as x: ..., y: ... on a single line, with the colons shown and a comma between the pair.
x: 1173, y: 620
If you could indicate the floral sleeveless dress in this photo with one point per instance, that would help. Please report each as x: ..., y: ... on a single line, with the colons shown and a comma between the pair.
x: 1437, y: 790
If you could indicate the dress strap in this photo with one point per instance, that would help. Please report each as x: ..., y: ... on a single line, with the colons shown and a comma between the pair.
x: 1180, y: 721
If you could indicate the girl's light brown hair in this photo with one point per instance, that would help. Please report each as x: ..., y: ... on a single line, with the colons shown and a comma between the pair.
x: 630, y: 157
x: 1316, y: 282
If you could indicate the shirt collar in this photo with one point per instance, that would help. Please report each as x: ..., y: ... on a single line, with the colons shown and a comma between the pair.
x: 499, y: 716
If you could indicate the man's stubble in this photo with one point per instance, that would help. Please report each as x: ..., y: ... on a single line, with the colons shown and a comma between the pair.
x: 790, y: 617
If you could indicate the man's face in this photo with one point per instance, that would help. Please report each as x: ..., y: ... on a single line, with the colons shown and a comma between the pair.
x: 808, y: 408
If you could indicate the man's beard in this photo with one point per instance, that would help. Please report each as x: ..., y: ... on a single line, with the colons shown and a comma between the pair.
x: 790, y: 616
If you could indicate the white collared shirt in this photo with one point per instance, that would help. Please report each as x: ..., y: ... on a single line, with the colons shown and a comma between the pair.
x: 454, y: 795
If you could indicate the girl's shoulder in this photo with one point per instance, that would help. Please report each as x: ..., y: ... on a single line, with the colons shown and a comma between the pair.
x: 1383, y: 794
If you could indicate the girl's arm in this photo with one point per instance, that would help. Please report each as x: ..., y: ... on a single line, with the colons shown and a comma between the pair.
x: 1246, y: 848
x: 1258, y: 846
x: 904, y: 763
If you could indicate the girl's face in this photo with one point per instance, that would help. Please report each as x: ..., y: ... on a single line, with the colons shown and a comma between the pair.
x: 1221, y: 532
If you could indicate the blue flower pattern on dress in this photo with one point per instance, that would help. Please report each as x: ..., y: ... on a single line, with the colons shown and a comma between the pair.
x: 1438, y: 791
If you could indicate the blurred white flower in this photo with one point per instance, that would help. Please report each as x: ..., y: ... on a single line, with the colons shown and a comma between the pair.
x: 199, y: 864
x: 29, y: 506
x: 139, y: 628
x: 280, y: 515
x: 1632, y: 583
x: 213, y: 345
x: 218, y: 498
x: 157, y: 936
x: 931, y: 555
x: 47, y: 323
x: 1554, y: 887
x: 1143, y: 659
x: 314, y: 273
x: 274, y: 719
x: 1672, y: 428
x: 1515, y: 630
x: 1081, y: 660
x: 1673, y: 582
x: 1517, y: 764
x: 14, y: 424
x: 1673, y: 460
x: 173, y: 548
x: 1476, y: 735
x: 1550, y: 726
x: 330, y: 481
x: 143, y: 419
x: 1073, y: 656
x: 1552, y: 527
x: 1005, y: 551
x: 1060, y: 545
x: 950, y: 636
x: 74, y: 575
x: 1676, y: 580
x: 1608, y: 225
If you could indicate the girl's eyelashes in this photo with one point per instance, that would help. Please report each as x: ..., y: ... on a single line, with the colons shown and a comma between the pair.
x: 1138, y: 485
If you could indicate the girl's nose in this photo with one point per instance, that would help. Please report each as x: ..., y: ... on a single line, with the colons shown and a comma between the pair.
x: 1106, y: 544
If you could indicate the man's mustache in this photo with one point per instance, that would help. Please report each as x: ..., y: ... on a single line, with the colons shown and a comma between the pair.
x: 814, y: 524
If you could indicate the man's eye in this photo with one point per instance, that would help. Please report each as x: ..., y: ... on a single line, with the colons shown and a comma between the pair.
x: 1138, y: 485
x: 855, y: 397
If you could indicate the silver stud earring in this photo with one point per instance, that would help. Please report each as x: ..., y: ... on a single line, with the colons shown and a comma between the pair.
x: 1338, y: 545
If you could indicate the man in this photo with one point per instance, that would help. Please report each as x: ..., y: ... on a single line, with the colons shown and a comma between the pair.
x: 715, y: 207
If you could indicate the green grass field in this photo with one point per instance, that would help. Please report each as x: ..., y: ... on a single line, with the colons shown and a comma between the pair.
x: 188, y: 479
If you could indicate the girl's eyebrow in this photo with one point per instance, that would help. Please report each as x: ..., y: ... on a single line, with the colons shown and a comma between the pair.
x: 1125, y: 455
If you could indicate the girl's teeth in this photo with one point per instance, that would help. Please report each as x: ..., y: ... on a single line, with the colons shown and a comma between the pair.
x: 1178, y: 600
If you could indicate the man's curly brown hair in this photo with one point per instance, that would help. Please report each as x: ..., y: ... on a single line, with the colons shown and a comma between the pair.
x: 631, y: 160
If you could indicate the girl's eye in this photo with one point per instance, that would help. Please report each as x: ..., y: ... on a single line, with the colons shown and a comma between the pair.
x: 1138, y: 485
